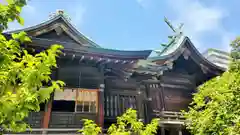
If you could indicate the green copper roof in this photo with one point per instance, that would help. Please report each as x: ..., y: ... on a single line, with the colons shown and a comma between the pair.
x: 171, y: 48
x: 75, y: 48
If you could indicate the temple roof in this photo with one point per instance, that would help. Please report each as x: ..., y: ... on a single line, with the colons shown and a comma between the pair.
x: 58, y: 21
x: 185, y: 46
x: 164, y: 61
x: 58, y: 30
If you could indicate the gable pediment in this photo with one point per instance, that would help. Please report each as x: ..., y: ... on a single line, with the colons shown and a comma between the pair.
x: 57, y: 34
x: 58, y: 31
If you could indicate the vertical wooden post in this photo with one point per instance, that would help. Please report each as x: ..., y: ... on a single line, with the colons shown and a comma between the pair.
x: 139, y: 103
x: 162, y: 131
x: 148, y: 103
x: 76, y: 99
x: 180, y: 132
x: 101, y: 97
x: 101, y: 105
x: 48, y: 105
x: 162, y: 97
x: 47, y: 113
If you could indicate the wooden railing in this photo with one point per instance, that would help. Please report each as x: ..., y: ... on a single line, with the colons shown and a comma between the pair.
x: 34, y: 119
x: 169, y: 117
x: 49, y: 131
x: 69, y: 119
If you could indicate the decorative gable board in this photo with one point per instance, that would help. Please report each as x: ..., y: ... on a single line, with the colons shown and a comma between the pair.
x: 55, y: 36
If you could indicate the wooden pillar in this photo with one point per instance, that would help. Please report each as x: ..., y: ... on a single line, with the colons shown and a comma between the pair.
x: 47, y: 113
x: 180, y: 132
x: 101, y: 97
x: 101, y: 106
x: 139, y: 103
x: 162, y: 131
x: 48, y: 105
x: 148, y: 105
x: 162, y: 97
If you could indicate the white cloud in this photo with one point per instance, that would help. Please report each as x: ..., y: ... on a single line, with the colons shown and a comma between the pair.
x: 77, y: 14
x: 199, y: 19
x: 144, y: 3
x: 227, y: 38
x: 28, y: 9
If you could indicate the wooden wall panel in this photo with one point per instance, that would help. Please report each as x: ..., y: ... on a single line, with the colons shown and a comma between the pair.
x: 178, y: 89
x: 176, y: 100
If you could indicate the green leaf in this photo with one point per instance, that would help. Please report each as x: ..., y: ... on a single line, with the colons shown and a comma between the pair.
x: 2, y: 38
x: 10, y: 1
x: 20, y: 20
x: 18, y: 8
x: 15, y: 36
x: 27, y: 39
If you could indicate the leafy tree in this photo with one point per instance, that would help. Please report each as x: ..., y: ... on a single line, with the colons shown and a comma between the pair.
x: 215, y: 109
x: 127, y: 124
x: 22, y: 75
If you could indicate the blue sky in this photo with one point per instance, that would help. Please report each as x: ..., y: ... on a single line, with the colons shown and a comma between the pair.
x: 138, y: 24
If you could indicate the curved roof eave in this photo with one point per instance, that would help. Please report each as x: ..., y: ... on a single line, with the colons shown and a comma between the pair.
x: 52, y: 20
x: 138, y: 54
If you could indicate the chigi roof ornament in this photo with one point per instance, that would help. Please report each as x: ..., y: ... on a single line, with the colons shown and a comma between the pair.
x: 60, y: 12
x: 172, y: 40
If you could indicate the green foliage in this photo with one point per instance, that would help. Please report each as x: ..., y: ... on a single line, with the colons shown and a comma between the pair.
x: 127, y: 124
x: 215, y: 109
x: 10, y: 12
x: 21, y: 74
x: 90, y: 128
x: 21, y: 77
